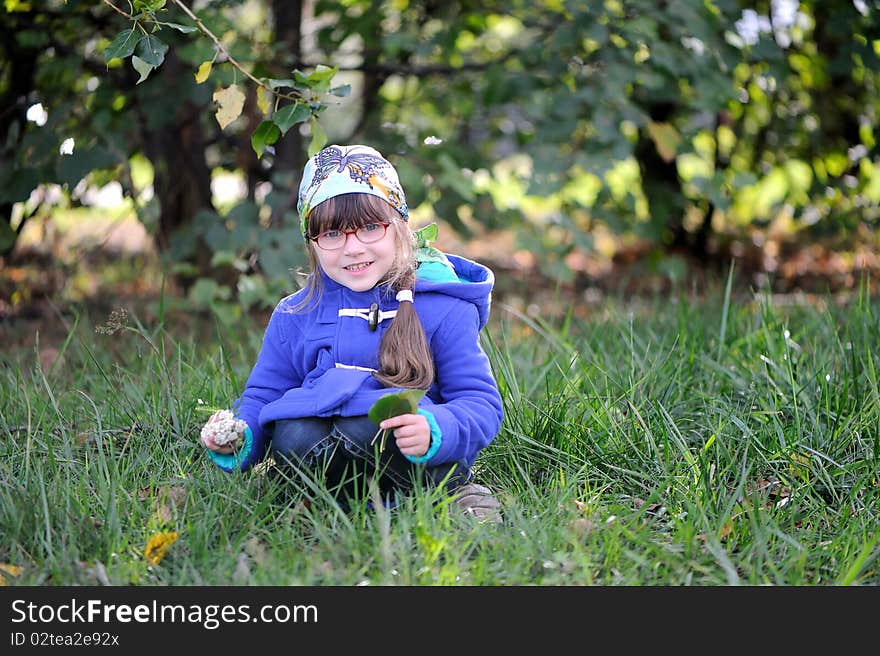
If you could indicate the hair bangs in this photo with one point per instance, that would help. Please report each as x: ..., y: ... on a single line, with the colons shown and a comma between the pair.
x: 349, y: 212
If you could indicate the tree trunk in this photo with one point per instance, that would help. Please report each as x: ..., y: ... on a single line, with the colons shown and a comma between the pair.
x: 662, y: 187
x: 289, y: 157
x: 182, y: 179
x: 18, y: 68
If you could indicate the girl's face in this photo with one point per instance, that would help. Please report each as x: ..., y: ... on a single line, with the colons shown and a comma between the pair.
x: 359, y: 266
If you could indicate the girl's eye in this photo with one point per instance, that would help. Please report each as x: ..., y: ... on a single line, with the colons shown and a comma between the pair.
x: 332, y: 234
x: 371, y: 227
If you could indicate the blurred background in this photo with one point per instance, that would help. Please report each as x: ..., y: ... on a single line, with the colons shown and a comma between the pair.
x: 580, y: 149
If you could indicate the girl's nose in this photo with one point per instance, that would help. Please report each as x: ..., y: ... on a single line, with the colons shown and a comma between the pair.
x: 352, y: 244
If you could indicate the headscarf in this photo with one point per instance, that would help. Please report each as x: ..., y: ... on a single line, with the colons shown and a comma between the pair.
x: 337, y: 170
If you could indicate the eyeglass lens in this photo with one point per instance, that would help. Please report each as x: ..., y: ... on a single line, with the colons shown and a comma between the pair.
x: 333, y: 239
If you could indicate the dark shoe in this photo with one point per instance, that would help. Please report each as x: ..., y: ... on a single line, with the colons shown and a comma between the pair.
x: 477, y: 501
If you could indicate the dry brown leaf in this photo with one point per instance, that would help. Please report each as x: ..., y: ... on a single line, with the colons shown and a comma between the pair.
x: 583, y: 526
x: 773, y: 491
x: 242, y: 573
x: 231, y: 101
x: 48, y: 356
x: 12, y: 570
x: 582, y: 506
x: 176, y: 494
x: 163, y: 514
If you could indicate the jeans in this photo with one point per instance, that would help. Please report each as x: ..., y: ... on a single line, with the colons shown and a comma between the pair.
x: 338, y: 450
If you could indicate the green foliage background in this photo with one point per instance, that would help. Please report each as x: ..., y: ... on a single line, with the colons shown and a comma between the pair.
x: 702, y: 126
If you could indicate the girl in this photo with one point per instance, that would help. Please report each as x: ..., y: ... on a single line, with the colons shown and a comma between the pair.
x: 380, y: 312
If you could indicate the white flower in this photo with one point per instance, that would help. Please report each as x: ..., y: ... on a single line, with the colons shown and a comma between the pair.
x: 223, y: 428
x: 37, y: 114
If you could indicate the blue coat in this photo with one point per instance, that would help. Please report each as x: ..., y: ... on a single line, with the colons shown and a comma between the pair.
x: 318, y: 362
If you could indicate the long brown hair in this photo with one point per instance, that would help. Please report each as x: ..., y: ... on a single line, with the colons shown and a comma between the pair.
x: 404, y: 357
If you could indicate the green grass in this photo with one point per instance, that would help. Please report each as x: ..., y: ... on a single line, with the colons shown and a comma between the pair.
x: 665, y: 442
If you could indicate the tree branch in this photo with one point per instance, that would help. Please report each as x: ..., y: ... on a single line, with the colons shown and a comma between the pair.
x: 219, y: 45
x: 118, y: 10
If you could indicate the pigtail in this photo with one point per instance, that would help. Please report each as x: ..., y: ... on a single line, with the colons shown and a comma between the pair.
x: 404, y: 357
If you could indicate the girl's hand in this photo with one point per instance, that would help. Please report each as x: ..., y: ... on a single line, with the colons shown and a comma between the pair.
x: 208, y: 442
x: 411, y: 432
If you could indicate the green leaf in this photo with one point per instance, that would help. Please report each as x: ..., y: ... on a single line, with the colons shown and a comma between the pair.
x: 149, y: 5
x: 17, y: 184
x: 223, y: 258
x: 142, y: 67
x: 289, y: 115
x: 319, y: 137
x: 426, y: 235
x: 253, y: 291
x: 279, y: 84
x: 73, y: 168
x: 151, y: 49
x: 8, y: 237
x: 341, y: 91
x: 265, y: 135
x: 394, y: 405
x: 205, y: 291
x: 322, y: 73
x: 122, y: 46
x: 186, y: 29
x: 318, y: 80
x: 431, y: 254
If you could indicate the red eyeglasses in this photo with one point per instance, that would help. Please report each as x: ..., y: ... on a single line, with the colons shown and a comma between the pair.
x: 332, y: 240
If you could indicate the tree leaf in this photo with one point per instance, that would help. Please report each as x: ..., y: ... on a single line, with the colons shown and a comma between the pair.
x: 323, y: 73
x: 8, y: 237
x: 319, y: 137
x: 264, y: 98
x: 122, y: 46
x: 231, y: 101
x: 318, y: 80
x: 666, y: 139
x: 151, y: 49
x: 186, y: 29
x: 279, y: 84
x: 289, y: 115
x: 204, y: 71
x: 142, y: 67
x: 393, y: 405
x: 427, y: 234
x: 17, y: 184
x: 266, y: 134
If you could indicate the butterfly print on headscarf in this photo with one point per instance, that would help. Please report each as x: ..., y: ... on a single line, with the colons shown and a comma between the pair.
x: 361, y: 166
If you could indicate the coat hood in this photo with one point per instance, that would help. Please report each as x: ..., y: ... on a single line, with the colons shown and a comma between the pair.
x: 472, y: 282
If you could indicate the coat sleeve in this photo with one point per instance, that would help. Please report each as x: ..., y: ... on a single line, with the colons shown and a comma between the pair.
x: 275, y: 372
x: 470, y: 412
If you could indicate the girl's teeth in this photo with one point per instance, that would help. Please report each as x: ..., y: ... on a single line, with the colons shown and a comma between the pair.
x: 357, y: 267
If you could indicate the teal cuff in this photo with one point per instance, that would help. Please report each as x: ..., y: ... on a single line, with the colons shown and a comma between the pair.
x: 231, y: 461
x: 436, y: 439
